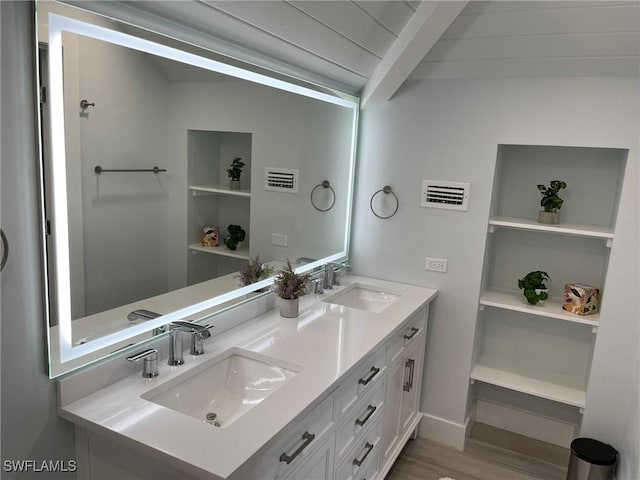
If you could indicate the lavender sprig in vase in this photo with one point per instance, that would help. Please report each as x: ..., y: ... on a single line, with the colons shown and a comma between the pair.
x: 290, y: 286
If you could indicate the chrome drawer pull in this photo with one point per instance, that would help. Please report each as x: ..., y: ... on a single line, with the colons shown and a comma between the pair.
x: 308, y: 438
x: 372, y: 410
x: 369, y: 447
x: 414, y: 332
x: 408, y: 385
x: 374, y: 372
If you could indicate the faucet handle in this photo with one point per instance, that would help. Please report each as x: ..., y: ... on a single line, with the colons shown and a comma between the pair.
x: 150, y: 366
x: 197, y: 337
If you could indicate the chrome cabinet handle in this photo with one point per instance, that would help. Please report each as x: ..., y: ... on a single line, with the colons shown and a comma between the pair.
x: 308, y: 438
x: 372, y: 410
x: 368, y: 446
x: 5, y: 250
x: 408, y: 385
x: 414, y: 332
x: 374, y: 372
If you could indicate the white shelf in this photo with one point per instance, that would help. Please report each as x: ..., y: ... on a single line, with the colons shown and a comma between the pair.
x: 563, y: 229
x: 217, y: 190
x: 515, y: 301
x: 242, y: 252
x: 524, y: 379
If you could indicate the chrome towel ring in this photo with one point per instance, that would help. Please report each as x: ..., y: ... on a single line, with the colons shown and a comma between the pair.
x: 386, y: 190
x: 325, y: 184
x: 5, y: 250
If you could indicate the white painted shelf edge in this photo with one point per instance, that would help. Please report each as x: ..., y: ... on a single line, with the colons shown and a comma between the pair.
x: 242, y: 253
x: 218, y: 190
x: 512, y: 300
x: 530, y: 386
x: 564, y: 229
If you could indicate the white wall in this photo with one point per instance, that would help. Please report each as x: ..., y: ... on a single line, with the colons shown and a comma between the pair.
x: 286, y: 131
x: 449, y: 130
x: 31, y: 428
x: 125, y: 214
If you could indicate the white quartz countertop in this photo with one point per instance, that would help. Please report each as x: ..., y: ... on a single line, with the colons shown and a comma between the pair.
x: 325, y: 340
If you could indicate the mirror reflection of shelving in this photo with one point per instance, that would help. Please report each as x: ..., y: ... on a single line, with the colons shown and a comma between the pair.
x: 543, y: 352
x: 213, y: 203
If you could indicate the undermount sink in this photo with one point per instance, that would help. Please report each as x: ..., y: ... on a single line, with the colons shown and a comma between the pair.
x: 364, y: 298
x: 222, y: 391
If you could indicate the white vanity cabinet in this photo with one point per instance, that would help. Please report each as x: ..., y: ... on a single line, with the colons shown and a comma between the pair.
x: 353, y: 428
x: 405, y: 352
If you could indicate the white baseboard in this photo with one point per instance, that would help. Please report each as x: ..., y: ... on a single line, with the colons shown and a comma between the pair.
x: 525, y: 423
x: 444, y: 431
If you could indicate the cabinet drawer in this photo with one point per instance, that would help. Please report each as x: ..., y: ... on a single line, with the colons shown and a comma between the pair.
x: 406, y: 335
x: 318, y: 465
x: 361, y: 381
x: 364, y: 414
x: 359, y: 458
x: 292, y: 446
x: 371, y: 471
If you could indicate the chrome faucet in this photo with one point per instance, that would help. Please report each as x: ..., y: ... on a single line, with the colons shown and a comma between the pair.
x: 150, y: 358
x: 198, y: 334
x: 329, y: 276
x: 332, y: 272
x: 145, y: 315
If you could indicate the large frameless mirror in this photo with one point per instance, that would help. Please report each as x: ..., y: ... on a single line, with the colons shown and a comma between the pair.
x: 138, y: 141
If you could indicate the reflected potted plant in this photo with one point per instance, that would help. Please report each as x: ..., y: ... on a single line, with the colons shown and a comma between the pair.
x: 234, y: 171
x: 235, y: 236
x: 290, y: 286
x: 253, y: 272
x: 534, y: 287
x: 551, y: 202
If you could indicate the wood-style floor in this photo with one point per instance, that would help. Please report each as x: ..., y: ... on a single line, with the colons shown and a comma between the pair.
x: 490, y: 454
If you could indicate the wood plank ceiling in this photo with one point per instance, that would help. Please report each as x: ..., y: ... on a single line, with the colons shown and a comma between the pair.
x: 343, y: 43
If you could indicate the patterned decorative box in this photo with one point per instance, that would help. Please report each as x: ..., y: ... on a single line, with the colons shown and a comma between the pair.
x: 209, y: 237
x: 581, y: 299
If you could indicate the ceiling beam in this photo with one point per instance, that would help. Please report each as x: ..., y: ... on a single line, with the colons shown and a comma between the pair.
x: 422, y: 31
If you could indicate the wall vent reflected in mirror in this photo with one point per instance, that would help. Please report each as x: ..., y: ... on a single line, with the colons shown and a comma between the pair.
x: 281, y: 179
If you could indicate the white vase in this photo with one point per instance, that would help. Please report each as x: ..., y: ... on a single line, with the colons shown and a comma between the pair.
x: 550, y: 218
x: 289, y: 307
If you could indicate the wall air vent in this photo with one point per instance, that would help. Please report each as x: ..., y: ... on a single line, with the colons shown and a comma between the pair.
x: 449, y: 195
x: 281, y: 179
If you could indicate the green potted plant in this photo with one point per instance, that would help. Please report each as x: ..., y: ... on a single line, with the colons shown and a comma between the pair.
x: 290, y: 286
x: 534, y: 287
x: 235, y: 236
x: 254, y: 271
x: 234, y: 171
x: 551, y: 202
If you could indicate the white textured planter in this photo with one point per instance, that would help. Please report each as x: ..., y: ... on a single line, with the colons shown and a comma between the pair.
x: 551, y: 218
x: 289, y: 308
x: 234, y: 184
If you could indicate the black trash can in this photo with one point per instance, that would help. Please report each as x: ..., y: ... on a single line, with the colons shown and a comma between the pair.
x: 591, y: 460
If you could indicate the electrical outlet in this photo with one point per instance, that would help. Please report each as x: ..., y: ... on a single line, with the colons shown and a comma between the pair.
x: 278, y: 239
x: 436, y: 264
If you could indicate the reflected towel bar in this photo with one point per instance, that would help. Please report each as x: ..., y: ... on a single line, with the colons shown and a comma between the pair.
x: 98, y: 169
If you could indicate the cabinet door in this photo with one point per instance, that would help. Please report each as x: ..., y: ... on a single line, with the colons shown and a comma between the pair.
x: 319, y: 465
x: 393, y: 403
x: 413, y: 360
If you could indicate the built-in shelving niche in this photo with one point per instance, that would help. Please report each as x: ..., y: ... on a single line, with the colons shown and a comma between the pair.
x: 212, y: 203
x: 531, y: 365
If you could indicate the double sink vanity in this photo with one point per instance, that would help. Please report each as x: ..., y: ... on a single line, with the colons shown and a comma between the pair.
x: 331, y: 394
